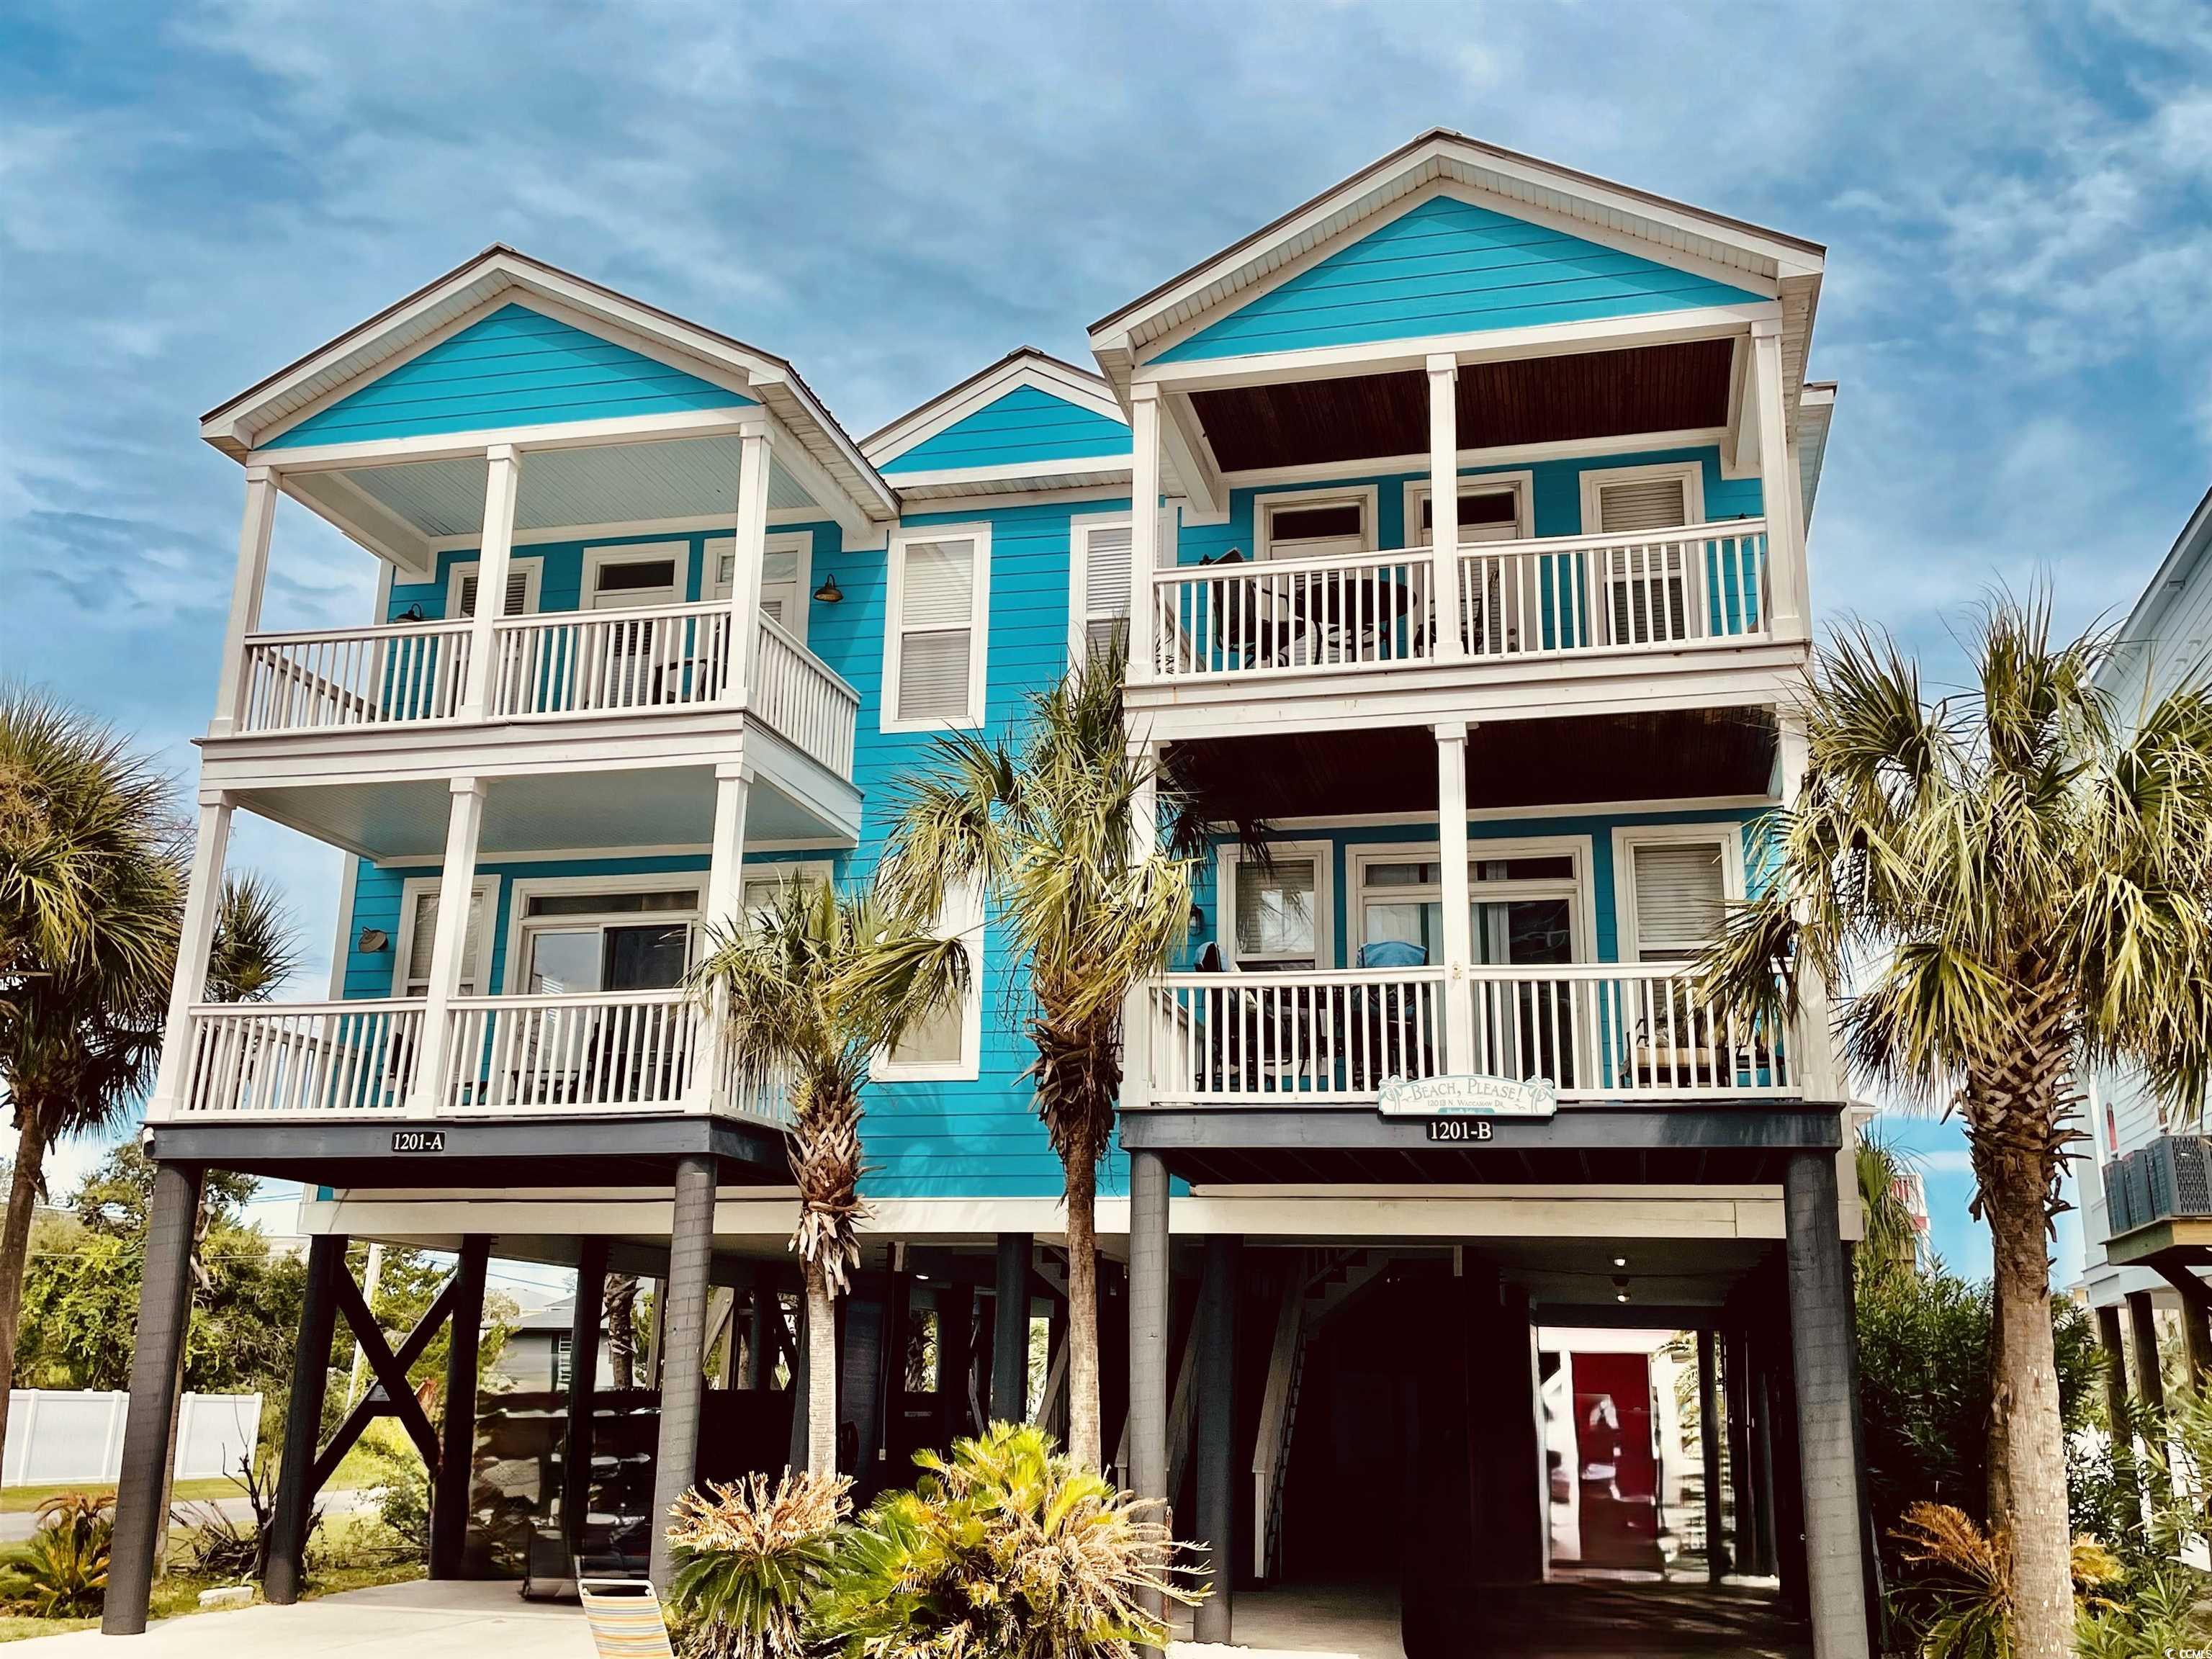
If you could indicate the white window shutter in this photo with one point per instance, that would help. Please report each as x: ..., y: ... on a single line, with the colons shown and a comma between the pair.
x: 936, y: 625
x: 1680, y: 897
x: 1642, y: 504
x: 517, y: 592
x: 1106, y: 556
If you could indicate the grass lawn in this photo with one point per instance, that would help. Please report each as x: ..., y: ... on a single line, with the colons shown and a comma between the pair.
x: 19, y: 1500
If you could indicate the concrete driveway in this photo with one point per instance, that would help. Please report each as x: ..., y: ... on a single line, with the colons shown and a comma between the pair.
x: 422, y: 1620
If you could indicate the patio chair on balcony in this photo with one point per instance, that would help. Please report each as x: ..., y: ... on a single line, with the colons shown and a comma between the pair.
x: 1678, y: 1045
x: 1383, y: 1029
x: 1253, y: 629
x: 1252, y: 1042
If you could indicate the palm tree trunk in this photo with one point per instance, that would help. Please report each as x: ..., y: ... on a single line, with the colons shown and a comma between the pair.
x: 821, y: 1372
x: 620, y: 1311
x: 1084, y: 1436
x: 16, y: 1246
x: 2027, y: 1484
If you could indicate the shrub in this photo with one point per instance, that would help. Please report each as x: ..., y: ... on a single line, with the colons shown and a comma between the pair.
x: 750, y: 1561
x: 62, y: 1572
x: 1005, y: 1548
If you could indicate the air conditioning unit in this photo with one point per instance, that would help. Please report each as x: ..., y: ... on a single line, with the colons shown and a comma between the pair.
x: 2169, y: 1180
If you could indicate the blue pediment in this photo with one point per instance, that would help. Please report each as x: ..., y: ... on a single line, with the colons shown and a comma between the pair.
x: 1450, y: 267
x: 1024, y: 424
x: 514, y: 368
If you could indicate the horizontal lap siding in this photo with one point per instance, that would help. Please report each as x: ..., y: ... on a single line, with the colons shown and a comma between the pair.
x: 1025, y: 425
x: 1449, y: 267
x: 1558, y: 504
x: 516, y: 368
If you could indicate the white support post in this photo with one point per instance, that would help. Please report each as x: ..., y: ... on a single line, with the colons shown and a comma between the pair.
x: 1137, y: 1011
x: 502, y: 478
x: 750, y: 551
x: 1816, y: 1070
x: 1785, y: 538
x: 195, y: 944
x: 1144, y: 527
x: 1450, y: 644
x: 456, y: 880
x: 1458, y: 899
x: 246, y: 589
x: 726, y: 890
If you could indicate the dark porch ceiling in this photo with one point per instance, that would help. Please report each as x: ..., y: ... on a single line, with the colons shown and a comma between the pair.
x: 1578, y: 760
x: 1594, y: 394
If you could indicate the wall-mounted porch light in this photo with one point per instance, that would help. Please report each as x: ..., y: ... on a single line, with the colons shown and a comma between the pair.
x: 373, y: 941
x: 1197, y: 922
x: 828, y: 592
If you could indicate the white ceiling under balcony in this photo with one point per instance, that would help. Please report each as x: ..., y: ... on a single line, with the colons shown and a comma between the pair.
x: 614, y: 484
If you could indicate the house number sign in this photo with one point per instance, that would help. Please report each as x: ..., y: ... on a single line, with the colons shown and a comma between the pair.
x: 418, y: 1140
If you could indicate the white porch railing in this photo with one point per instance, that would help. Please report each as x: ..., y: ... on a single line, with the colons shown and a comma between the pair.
x: 319, y: 679
x: 797, y: 696
x: 1552, y: 596
x: 315, y: 1059
x: 1602, y: 1031
x: 1560, y: 595
x: 576, y: 662
x: 607, y: 1051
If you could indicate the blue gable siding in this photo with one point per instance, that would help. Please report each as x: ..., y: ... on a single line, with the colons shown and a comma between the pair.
x: 516, y: 368
x: 1026, y: 424
x: 1449, y: 267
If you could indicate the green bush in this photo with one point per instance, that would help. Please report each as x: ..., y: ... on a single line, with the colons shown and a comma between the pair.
x: 1005, y: 1548
x: 62, y: 1572
x: 751, y: 1559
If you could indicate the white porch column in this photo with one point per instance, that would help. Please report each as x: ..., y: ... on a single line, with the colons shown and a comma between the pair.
x: 457, y: 879
x: 1136, y: 1013
x: 503, y: 477
x: 194, y: 943
x: 1443, y: 507
x: 1815, y: 1045
x: 726, y: 892
x: 749, y: 549
x: 1144, y: 527
x: 1778, y: 488
x: 246, y: 588
x: 1458, y: 900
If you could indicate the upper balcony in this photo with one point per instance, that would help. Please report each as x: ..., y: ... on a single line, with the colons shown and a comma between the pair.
x: 1592, y: 399
x: 631, y: 488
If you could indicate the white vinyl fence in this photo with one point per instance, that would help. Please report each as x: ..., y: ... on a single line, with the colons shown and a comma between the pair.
x: 57, y: 1437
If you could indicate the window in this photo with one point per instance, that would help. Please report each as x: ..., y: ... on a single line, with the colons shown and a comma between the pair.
x: 764, y: 886
x: 418, y: 929
x: 949, y: 1046
x: 1098, y: 584
x: 1309, y: 523
x: 935, y: 648
x: 787, y: 578
x: 1649, y: 585
x: 1675, y: 888
x: 1279, y: 913
x: 601, y: 934
x: 625, y: 577
x: 523, y: 576
x: 1528, y: 900
x: 1491, y: 508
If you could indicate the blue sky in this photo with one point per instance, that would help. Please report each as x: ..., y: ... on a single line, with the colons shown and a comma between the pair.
x: 2017, y: 203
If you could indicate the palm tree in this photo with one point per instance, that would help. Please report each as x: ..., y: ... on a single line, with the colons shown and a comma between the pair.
x: 2022, y: 875
x: 93, y: 866
x: 1889, y: 1241
x: 798, y: 1016
x: 1046, y: 827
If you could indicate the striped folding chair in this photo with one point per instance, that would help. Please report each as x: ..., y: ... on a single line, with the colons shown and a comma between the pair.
x: 625, y: 1615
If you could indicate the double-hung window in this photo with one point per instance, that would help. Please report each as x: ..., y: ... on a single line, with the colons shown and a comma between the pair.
x: 948, y: 1046
x: 418, y: 927
x: 1649, y: 580
x: 785, y: 574
x: 935, y: 644
x: 1675, y: 886
x: 1098, y: 585
x: 580, y: 938
x: 1279, y: 910
x: 523, y: 576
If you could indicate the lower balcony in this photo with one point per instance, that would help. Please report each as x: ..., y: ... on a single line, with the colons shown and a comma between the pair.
x: 606, y: 1053
x: 1599, y: 1033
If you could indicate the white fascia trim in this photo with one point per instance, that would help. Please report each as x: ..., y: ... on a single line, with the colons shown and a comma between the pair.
x: 1100, y: 466
x: 563, y: 435
x: 1612, y: 206
x: 1563, y: 449
x: 950, y: 409
x: 667, y: 850
x: 1500, y: 814
x: 1484, y: 345
x: 711, y: 523
x: 997, y: 500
